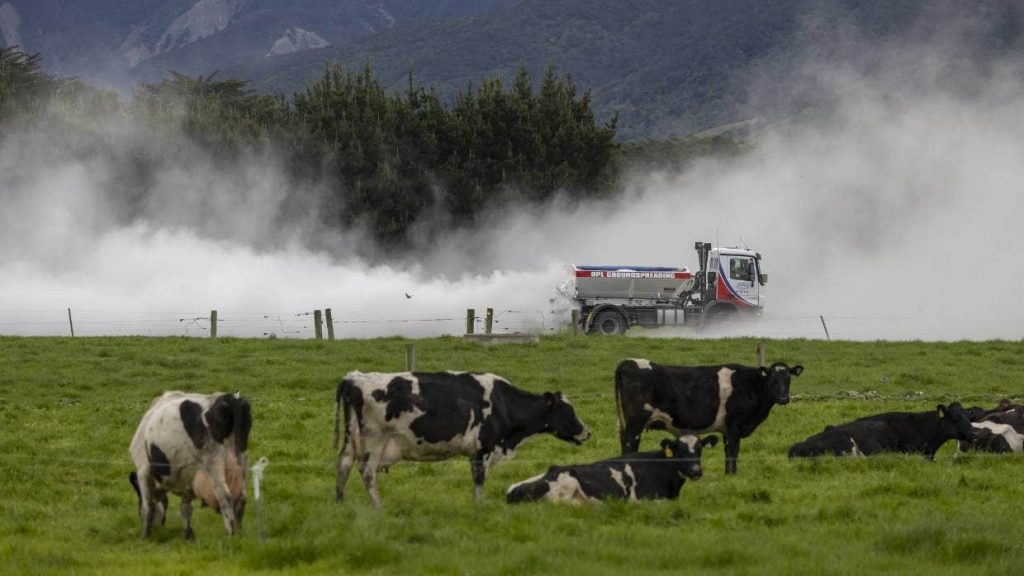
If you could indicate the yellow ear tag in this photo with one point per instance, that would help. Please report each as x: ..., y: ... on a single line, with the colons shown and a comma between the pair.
x: 668, y: 452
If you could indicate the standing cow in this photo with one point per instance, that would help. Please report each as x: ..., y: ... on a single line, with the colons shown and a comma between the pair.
x: 731, y: 399
x: 433, y: 416
x: 639, y: 476
x: 908, y: 432
x: 189, y: 445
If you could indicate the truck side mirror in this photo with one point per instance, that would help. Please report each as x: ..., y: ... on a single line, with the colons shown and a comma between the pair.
x: 763, y: 279
x: 712, y: 277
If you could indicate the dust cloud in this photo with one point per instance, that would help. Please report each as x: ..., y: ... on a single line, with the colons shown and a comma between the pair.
x: 893, y: 211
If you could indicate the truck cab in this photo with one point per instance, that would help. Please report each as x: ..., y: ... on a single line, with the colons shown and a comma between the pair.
x: 728, y: 285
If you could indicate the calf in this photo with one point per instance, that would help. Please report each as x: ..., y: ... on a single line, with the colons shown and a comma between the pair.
x: 909, y: 432
x: 998, y: 430
x: 643, y: 475
x: 189, y: 444
x: 730, y: 399
x: 436, y: 415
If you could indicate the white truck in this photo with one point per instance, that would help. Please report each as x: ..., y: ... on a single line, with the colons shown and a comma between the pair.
x: 610, y: 299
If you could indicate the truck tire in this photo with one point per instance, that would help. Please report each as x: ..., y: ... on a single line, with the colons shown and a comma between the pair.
x: 609, y: 323
x: 719, y: 315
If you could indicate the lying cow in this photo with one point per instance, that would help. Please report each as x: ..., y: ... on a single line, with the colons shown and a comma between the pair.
x: 189, y: 445
x: 730, y: 399
x: 433, y: 416
x: 998, y: 430
x: 908, y: 432
x: 638, y: 476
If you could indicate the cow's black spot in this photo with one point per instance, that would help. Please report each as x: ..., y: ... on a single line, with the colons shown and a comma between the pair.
x: 453, y: 401
x: 192, y: 418
x: 399, y: 398
x: 159, y: 465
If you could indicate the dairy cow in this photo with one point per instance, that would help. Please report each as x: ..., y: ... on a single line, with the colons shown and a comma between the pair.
x: 730, y: 398
x: 643, y: 475
x: 998, y: 430
x: 436, y: 415
x: 192, y: 445
x: 908, y: 432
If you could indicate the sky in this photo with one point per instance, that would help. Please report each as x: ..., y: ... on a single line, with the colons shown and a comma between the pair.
x: 892, y: 211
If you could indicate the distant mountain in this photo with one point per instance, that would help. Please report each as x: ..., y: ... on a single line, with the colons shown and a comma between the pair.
x: 665, y: 68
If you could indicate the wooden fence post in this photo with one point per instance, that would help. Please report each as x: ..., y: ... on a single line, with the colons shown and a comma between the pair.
x: 823, y: 325
x: 490, y: 320
x: 760, y: 354
x: 70, y: 323
x: 330, y: 325
x: 575, y: 322
x: 470, y: 316
x: 317, y: 327
x: 410, y: 357
x: 213, y: 323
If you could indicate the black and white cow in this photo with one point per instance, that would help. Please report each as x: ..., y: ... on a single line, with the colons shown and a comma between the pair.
x: 638, y: 476
x: 998, y: 430
x: 436, y: 415
x: 731, y: 399
x: 908, y: 432
x: 192, y: 444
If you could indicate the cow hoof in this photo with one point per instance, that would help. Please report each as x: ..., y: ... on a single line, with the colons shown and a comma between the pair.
x: 188, y: 535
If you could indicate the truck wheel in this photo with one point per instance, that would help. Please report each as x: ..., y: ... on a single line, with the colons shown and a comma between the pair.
x: 609, y: 323
x: 719, y: 315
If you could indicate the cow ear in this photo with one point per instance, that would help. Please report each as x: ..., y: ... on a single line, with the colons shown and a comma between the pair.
x: 666, y: 448
x: 942, y: 410
x: 765, y: 372
x: 709, y: 441
x: 550, y: 398
x: 796, y: 370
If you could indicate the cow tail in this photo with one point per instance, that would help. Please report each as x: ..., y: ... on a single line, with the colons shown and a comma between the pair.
x: 618, y: 402
x: 341, y: 401
x: 342, y: 386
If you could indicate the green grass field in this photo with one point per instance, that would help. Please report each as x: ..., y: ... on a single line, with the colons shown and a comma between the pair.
x: 68, y: 409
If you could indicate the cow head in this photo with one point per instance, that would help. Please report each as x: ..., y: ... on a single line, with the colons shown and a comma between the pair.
x: 560, y: 419
x: 955, y: 421
x: 688, y: 448
x: 777, y: 378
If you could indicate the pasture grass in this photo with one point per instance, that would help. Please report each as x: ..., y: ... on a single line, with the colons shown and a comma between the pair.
x: 69, y: 407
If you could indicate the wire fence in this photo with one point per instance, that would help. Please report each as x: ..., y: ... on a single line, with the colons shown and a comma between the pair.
x: 348, y: 324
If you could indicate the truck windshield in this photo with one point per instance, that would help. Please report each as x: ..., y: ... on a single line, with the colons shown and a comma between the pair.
x: 741, y: 269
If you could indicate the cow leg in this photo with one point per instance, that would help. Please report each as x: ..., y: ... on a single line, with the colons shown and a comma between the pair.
x: 476, y: 466
x: 186, y: 516
x: 371, y: 461
x: 215, y: 469
x: 346, y: 458
x: 732, y: 452
x: 629, y: 436
x: 147, y: 503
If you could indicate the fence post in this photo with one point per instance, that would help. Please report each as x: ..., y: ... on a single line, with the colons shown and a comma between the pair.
x: 70, y: 323
x: 827, y: 337
x: 470, y: 315
x: 317, y: 328
x: 213, y: 323
x: 760, y: 354
x: 575, y: 322
x: 490, y: 320
x: 330, y: 325
x: 410, y: 357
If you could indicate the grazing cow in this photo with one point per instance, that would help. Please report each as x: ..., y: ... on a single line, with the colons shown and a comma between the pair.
x: 638, y: 476
x: 730, y: 399
x: 433, y: 416
x: 908, y: 432
x: 189, y: 445
x: 998, y: 430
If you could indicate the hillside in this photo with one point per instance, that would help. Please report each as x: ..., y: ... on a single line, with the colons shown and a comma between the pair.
x: 666, y: 69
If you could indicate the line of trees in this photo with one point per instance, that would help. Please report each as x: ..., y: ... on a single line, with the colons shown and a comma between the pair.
x: 391, y: 161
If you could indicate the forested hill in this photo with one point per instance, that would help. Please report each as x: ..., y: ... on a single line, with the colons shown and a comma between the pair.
x: 666, y: 68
